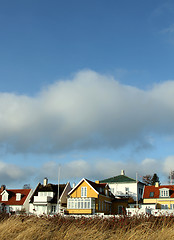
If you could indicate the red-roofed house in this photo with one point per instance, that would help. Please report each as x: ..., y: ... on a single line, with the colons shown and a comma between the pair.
x: 162, y: 196
x: 14, y: 200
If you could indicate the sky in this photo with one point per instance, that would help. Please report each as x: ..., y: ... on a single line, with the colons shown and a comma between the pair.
x: 87, y: 87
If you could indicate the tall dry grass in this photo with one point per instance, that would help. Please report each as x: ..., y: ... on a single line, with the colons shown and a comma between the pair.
x: 45, y: 228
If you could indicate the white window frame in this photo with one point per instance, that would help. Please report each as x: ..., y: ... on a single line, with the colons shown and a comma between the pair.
x: 171, y: 206
x: 5, y: 197
x: 18, y: 196
x: 83, y: 191
x: 53, y: 208
x: 164, y: 193
x: 80, y: 203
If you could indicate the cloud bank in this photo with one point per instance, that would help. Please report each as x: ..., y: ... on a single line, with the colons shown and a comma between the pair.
x: 80, y: 168
x: 11, y: 174
x: 88, y: 111
x: 106, y: 168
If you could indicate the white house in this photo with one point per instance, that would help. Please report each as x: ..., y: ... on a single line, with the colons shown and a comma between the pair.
x: 14, y: 200
x: 49, y: 198
x: 123, y: 186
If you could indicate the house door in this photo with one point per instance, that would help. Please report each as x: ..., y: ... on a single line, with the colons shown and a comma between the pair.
x: 120, y: 209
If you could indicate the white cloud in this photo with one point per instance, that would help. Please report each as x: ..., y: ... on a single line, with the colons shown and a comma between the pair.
x: 105, y: 168
x: 89, y: 111
x: 11, y: 173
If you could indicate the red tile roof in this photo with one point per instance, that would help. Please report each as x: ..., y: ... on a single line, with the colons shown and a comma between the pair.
x: 12, y: 196
x: 156, y: 191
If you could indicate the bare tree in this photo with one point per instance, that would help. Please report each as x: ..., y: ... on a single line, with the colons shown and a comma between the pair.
x: 26, y: 186
x: 151, y: 180
x: 171, y: 177
x: 147, y: 179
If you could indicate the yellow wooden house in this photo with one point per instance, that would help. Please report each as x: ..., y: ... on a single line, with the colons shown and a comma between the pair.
x: 162, y: 196
x: 89, y: 197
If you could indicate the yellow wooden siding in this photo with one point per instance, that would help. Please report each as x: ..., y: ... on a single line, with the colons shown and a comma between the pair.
x: 100, y: 200
x: 103, y: 204
x: 90, y: 191
x: 160, y: 201
x: 79, y: 211
x: 150, y: 200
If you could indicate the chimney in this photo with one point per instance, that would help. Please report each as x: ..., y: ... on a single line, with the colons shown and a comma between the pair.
x: 157, y: 184
x: 45, y: 181
x: 97, y: 181
x: 74, y: 184
x: 122, y: 172
x: 3, y: 187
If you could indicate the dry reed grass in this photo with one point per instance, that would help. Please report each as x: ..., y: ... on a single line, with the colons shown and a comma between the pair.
x: 69, y: 228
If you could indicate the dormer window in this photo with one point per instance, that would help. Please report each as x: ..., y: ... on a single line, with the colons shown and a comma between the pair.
x: 18, y: 196
x: 4, y: 196
x: 164, y: 192
x: 151, y: 194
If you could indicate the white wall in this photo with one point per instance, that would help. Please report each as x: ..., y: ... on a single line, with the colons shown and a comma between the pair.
x: 120, y: 189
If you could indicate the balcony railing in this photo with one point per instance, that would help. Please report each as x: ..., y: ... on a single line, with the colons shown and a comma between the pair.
x: 43, y: 199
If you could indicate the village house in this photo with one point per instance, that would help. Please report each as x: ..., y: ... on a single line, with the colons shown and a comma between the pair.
x: 89, y: 197
x: 160, y: 195
x: 14, y: 200
x: 49, y: 198
x: 125, y: 187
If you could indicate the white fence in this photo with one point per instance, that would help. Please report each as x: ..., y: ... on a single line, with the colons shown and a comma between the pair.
x: 147, y: 211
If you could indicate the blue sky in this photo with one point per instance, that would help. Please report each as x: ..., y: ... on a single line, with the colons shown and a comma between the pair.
x: 87, y: 85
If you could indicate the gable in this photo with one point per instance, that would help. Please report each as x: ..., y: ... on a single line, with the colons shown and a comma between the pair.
x: 4, y: 195
x: 76, y: 192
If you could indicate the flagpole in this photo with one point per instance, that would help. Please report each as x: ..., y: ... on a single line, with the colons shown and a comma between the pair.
x: 137, y: 190
x: 58, y: 189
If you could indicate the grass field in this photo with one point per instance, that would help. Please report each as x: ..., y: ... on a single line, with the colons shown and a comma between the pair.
x: 31, y: 227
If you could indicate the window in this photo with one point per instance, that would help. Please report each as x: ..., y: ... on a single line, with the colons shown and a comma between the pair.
x: 83, y: 191
x: 18, y: 196
x: 151, y: 194
x: 164, y: 206
x: 53, y: 209
x: 79, y: 203
x: 45, y: 194
x: 127, y: 190
x: 164, y: 192
x: 5, y: 197
x: 171, y: 206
